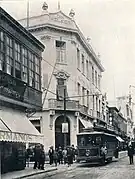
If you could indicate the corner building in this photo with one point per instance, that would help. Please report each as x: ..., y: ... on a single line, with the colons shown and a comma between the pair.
x: 20, y: 91
x: 70, y: 63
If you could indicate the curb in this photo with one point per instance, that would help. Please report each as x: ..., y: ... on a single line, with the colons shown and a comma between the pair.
x: 38, y: 173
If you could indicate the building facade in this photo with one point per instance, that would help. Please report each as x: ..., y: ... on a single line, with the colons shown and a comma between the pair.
x: 118, y: 122
x: 69, y: 64
x: 127, y: 111
x: 20, y: 90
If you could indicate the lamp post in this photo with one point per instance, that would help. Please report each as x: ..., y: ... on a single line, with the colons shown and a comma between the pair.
x: 65, y: 137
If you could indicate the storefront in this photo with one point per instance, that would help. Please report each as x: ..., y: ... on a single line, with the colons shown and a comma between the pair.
x: 12, y: 142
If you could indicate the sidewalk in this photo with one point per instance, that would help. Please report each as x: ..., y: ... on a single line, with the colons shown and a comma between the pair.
x: 27, y: 172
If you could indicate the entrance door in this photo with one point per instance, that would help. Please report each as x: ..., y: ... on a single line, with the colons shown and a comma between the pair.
x: 59, y: 136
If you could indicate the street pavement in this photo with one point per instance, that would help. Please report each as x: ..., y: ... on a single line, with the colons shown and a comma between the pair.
x: 63, y: 171
x: 115, y: 170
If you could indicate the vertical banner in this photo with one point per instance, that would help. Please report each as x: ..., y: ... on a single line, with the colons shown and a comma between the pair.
x: 64, y: 127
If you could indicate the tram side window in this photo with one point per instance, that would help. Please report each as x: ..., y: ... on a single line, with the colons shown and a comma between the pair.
x: 98, y: 140
x: 81, y: 141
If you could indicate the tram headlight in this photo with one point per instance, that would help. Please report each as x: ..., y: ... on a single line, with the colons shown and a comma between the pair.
x: 87, y: 153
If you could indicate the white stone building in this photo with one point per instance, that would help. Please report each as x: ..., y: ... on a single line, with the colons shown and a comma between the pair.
x: 127, y: 112
x: 68, y: 62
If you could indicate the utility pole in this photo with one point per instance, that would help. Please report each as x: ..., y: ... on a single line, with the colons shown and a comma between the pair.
x: 65, y: 136
x: 28, y: 14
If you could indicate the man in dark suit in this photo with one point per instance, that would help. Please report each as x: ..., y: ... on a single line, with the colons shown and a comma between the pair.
x: 130, y: 154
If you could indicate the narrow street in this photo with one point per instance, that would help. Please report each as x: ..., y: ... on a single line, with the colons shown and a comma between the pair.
x: 115, y: 170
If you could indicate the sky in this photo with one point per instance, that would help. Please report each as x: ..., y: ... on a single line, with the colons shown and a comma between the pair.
x: 111, y: 26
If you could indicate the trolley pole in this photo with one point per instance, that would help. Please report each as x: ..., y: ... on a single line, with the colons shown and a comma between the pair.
x: 65, y: 136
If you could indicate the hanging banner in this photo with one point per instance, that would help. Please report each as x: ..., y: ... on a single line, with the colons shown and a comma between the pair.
x: 64, y: 127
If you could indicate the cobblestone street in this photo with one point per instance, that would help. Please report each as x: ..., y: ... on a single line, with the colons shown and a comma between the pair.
x: 115, y: 170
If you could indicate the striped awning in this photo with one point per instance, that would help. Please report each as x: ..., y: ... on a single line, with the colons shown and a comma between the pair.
x: 86, y: 124
x: 119, y: 139
x: 16, y: 127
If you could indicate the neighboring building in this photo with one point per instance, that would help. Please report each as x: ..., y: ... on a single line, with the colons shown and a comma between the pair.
x: 20, y: 90
x: 127, y: 111
x: 73, y: 66
x: 118, y: 122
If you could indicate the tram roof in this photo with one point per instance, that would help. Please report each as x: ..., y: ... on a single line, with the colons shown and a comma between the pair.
x: 95, y: 132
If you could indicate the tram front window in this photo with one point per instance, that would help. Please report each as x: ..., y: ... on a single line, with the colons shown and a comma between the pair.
x: 89, y: 140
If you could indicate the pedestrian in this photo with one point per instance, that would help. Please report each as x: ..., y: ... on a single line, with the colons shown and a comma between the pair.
x: 28, y: 156
x: 69, y: 156
x: 117, y: 152
x: 55, y: 157
x: 130, y: 154
x: 73, y: 151
x: 41, y: 158
x: 64, y: 152
x: 37, y: 150
x: 60, y: 156
x: 51, y: 151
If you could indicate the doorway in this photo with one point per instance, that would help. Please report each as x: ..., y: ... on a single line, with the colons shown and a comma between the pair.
x: 59, y: 136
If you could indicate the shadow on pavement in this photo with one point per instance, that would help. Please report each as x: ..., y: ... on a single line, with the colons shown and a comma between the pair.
x: 94, y: 164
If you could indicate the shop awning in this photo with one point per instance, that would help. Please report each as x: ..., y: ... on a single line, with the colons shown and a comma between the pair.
x: 85, y: 123
x: 16, y: 127
x: 119, y: 139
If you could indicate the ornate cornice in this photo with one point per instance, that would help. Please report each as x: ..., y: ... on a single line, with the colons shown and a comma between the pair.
x: 73, y: 31
x: 61, y: 75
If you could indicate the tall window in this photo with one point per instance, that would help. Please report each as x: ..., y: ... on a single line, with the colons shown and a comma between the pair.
x: 127, y: 108
x: 17, y: 60
x: 60, y: 51
x: 92, y: 75
x: 78, y: 89
x: 83, y: 63
x: 99, y: 80
x: 31, y: 69
x: 25, y: 65
x: 93, y: 101
x: 88, y: 98
x: 83, y: 95
x: 2, y: 64
x: 96, y: 78
x: 9, y: 57
x: 78, y: 58
x: 99, y: 106
x: 96, y: 104
x: 37, y: 73
x: 87, y: 69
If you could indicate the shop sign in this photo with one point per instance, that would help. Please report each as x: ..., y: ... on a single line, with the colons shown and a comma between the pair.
x: 11, y: 87
x: 17, y: 137
x: 64, y: 127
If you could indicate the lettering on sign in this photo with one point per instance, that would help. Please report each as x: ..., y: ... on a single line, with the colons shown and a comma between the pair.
x: 4, y: 135
x: 10, y: 92
x: 11, y: 87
